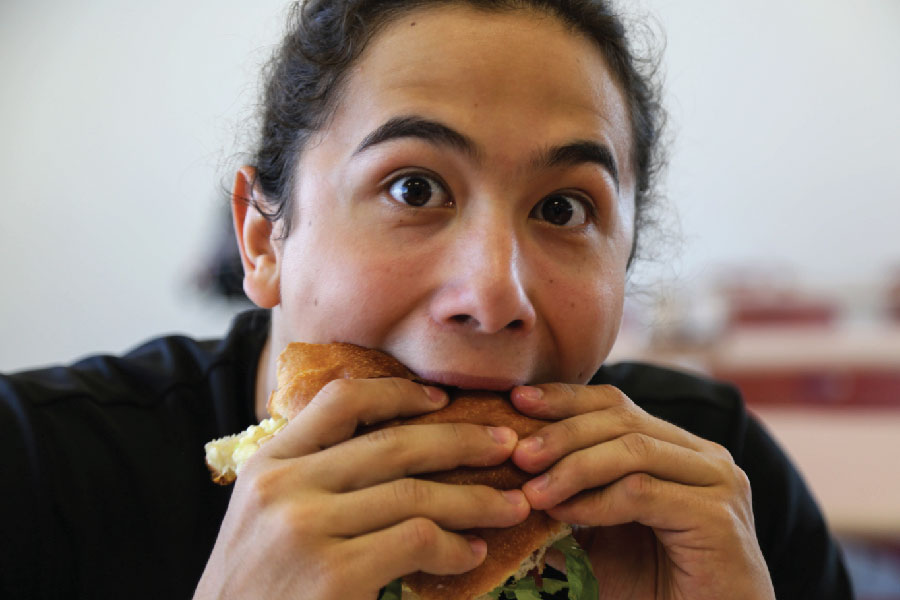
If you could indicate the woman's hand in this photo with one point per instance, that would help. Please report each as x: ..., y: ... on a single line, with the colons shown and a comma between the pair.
x: 669, y: 513
x: 317, y: 513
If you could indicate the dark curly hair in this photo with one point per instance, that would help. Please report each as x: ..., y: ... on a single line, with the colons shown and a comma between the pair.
x: 324, y: 37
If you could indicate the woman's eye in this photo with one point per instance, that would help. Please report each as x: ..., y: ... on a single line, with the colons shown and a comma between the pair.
x: 561, y: 210
x: 418, y: 190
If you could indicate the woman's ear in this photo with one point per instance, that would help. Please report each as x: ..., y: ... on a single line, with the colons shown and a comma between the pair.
x: 256, y: 240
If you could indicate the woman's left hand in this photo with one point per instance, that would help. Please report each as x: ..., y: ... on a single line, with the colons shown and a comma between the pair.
x: 670, y: 512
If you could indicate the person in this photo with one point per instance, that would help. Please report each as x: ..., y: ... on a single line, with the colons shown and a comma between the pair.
x: 462, y: 185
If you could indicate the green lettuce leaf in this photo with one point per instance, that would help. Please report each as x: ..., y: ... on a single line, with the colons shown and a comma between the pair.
x: 582, y: 583
x: 392, y: 591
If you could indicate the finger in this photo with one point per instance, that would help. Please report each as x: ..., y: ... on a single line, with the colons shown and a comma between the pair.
x: 608, y: 462
x: 343, y: 405
x: 395, y: 452
x: 453, y: 507
x: 416, y: 544
x: 554, y: 401
x: 598, y: 424
x: 644, y: 499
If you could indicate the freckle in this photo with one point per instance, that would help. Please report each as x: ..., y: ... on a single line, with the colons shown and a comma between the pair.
x: 413, y: 24
x: 315, y: 301
x: 551, y: 282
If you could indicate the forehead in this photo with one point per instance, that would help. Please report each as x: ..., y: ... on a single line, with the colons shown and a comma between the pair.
x: 511, y: 80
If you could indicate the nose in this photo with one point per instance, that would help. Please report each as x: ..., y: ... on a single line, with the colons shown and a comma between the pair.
x: 483, y: 282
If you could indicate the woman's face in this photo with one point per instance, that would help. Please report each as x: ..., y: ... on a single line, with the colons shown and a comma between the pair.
x: 470, y: 207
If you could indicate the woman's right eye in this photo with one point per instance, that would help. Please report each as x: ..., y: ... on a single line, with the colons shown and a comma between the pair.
x: 419, y: 190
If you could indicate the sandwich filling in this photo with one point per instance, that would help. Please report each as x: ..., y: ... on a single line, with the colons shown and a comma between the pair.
x: 527, y: 583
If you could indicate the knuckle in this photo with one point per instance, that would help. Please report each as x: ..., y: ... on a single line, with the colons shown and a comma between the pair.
x: 621, y: 397
x: 296, y: 520
x: 336, y: 397
x: 397, y: 387
x: 337, y: 388
x: 617, y: 396
x: 386, y: 437
x: 639, y: 446
x: 261, y: 488
x: 410, y: 491
x: 721, y: 452
x: 458, y: 431
x: 638, y: 486
x: 568, y: 390
x: 571, y: 428
x: 741, y: 481
x: 627, y: 416
x: 420, y: 534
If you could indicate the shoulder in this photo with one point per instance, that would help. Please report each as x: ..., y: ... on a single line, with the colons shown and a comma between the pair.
x: 110, y: 449
x: 143, y: 374
x: 711, y: 409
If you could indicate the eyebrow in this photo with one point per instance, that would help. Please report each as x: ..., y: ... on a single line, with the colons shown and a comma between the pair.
x: 580, y: 152
x: 567, y: 155
x: 420, y: 128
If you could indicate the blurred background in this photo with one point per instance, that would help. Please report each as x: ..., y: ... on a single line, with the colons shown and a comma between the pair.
x: 778, y: 267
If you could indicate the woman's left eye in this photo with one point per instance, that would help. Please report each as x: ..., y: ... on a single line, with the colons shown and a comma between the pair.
x: 418, y: 190
x: 562, y: 210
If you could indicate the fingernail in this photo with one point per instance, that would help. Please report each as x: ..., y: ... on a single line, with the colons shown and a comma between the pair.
x: 515, y: 497
x: 539, y: 484
x: 532, y: 444
x: 502, y: 435
x: 478, y: 545
x: 436, y: 395
x: 531, y: 395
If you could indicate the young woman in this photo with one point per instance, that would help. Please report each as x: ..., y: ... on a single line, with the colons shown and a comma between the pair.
x: 462, y: 185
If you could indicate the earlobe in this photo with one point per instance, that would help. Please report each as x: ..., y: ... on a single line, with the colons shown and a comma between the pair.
x: 256, y: 240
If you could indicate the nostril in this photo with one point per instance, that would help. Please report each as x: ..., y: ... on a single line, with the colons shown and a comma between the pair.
x: 516, y: 325
x: 461, y: 319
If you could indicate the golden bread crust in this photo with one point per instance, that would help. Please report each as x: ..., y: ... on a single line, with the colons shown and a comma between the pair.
x: 507, y: 547
x: 304, y: 369
x: 219, y: 477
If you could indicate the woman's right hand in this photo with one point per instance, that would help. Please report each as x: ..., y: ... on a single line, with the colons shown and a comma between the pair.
x: 318, y: 513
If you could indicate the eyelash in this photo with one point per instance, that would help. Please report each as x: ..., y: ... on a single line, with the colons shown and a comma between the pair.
x: 393, y: 180
x: 590, y: 208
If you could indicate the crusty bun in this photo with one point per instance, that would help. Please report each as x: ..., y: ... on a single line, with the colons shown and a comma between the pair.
x: 304, y: 369
x: 512, y: 551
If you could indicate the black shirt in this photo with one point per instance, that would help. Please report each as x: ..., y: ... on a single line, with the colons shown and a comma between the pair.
x: 106, y: 494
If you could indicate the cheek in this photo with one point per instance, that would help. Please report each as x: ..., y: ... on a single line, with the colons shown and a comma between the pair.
x: 586, y: 320
x: 346, y: 291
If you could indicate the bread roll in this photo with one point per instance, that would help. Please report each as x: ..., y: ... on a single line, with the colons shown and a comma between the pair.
x: 304, y: 369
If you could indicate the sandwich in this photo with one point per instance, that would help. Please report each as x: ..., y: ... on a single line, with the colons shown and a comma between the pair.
x: 515, y: 559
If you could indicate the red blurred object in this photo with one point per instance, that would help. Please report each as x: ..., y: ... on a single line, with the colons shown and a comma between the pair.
x: 819, y: 387
x: 772, y: 296
x: 785, y: 310
x: 772, y: 306
x: 893, y: 300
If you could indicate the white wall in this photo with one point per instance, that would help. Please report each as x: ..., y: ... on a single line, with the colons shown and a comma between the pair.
x: 788, y: 124
x: 117, y: 121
